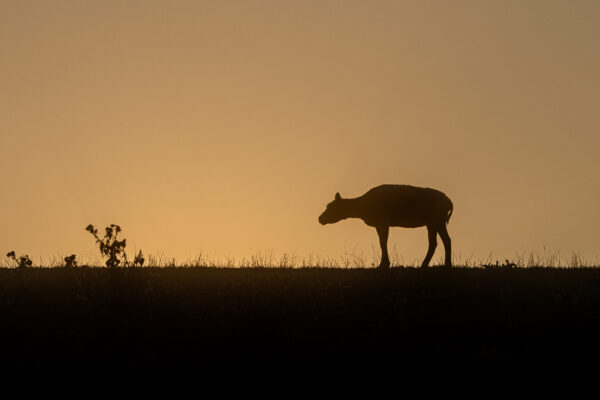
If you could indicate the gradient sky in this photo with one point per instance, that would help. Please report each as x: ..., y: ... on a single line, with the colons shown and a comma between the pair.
x: 225, y: 127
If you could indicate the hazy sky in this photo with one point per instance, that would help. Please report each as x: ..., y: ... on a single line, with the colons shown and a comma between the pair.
x: 225, y: 127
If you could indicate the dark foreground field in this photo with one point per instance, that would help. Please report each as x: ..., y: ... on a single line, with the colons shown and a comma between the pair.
x: 175, y: 321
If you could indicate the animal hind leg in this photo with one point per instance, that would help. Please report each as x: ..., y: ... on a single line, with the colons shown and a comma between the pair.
x: 383, y: 232
x: 432, y: 235
x: 443, y: 231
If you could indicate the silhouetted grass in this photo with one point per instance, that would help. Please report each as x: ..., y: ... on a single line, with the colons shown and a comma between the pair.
x: 199, y: 321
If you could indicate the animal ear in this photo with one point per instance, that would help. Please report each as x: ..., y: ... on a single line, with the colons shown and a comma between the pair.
x: 337, y: 196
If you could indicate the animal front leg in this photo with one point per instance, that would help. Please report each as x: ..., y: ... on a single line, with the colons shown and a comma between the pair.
x: 383, y: 232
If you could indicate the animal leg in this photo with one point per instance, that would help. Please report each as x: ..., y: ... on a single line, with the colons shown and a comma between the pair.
x: 383, y: 232
x: 432, y: 234
x: 443, y: 231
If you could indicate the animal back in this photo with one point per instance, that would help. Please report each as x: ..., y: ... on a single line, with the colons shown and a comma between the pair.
x: 405, y: 206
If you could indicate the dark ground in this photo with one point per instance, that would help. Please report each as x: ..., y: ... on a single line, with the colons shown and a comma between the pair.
x: 176, y: 322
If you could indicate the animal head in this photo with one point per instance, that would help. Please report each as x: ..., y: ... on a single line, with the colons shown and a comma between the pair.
x: 334, y: 211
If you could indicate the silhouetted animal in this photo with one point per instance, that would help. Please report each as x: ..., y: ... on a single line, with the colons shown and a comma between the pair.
x: 397, y: 205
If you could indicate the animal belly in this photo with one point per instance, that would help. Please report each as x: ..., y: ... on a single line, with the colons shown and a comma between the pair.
x: 407, y: 222
x: 394, y: 220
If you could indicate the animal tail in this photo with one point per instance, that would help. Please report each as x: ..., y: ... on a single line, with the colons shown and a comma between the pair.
x: 450, y: 211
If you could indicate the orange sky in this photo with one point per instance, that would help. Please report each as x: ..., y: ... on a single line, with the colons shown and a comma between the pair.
x: 225, y: 127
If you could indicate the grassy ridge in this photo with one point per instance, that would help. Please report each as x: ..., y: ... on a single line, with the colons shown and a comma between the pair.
x: 192, y: 321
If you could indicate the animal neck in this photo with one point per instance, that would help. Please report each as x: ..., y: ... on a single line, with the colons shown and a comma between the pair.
x: 352, y: 208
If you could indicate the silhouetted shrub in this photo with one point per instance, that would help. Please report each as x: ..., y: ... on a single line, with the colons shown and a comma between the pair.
x: 70, y: 261
x: 22, y: 261
x: 138, y: 261
x: 109, y: 245
x: 113, y: 248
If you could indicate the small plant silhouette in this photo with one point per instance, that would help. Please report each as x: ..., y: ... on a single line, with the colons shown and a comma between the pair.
x: 507, y: 264
x: 110, y: 246
x: 70, y: 261
x: 22, y: 262
x: 113, y: 248
x: 138, y: 261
